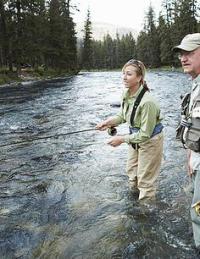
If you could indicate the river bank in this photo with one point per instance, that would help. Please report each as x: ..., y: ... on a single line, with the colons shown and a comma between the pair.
x: 29, y: 76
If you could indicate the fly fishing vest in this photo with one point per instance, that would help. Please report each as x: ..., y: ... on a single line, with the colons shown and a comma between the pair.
x: 188, y: 130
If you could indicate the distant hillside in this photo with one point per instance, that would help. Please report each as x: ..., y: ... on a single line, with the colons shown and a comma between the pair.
x: 99, y: 30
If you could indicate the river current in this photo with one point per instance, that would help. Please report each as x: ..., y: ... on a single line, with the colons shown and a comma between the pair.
x: 67, y: 196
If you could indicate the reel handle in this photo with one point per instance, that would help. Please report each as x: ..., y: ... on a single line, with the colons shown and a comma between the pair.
x: 112, y: 131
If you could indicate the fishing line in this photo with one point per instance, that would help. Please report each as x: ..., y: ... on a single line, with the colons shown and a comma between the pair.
x: 50, y: 136
x: 111, y: 131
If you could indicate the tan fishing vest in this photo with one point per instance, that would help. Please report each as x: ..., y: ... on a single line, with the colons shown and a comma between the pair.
x: 192, y: 132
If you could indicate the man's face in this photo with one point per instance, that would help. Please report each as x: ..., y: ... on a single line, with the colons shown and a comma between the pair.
x: 190, y: 61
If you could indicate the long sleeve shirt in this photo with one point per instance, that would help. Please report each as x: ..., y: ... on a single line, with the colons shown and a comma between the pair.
x: 147, y: 116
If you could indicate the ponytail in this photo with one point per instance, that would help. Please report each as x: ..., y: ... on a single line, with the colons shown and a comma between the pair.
x: 144, y: 83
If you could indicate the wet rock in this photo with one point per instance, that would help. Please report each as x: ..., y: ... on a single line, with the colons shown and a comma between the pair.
x: 115, y: 105
x: 40, y: 188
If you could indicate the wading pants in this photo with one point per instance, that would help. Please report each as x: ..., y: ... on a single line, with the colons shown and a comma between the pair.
x: 143, y: 166
x: 195, y: 210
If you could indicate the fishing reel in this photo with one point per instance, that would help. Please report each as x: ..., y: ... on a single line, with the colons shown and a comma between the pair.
x: 112, y: 131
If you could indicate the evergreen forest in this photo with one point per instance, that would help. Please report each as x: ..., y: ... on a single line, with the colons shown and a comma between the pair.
x: 41, y: 34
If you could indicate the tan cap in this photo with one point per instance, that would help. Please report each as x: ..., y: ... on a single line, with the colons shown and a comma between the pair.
x: 189, y: 43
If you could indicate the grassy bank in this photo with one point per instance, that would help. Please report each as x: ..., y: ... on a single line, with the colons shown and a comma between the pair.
x: 30, y: 74
x: 168, y: 68
x: 164, y: 68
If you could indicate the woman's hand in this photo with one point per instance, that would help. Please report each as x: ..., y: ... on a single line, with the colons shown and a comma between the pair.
x: 116, y: 141
x: 102, y: 125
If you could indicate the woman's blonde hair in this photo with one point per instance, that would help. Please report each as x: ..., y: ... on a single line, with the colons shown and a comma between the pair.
x: 140, y: 70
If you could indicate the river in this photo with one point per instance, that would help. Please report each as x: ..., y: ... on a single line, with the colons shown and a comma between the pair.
x: 68, y: 196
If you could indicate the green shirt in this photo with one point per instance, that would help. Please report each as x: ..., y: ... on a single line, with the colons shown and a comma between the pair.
x: 147, y: 116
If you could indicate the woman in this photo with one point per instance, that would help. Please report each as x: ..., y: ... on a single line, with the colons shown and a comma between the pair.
x: 146, y: 138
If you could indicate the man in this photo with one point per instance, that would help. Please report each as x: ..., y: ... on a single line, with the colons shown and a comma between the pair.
x: 189, y: 54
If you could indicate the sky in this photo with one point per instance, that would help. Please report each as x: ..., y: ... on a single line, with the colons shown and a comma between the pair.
x: 128, y: 13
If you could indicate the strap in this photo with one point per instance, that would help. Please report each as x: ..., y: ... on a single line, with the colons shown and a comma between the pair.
x: 185, y: 104
x: 137, y: 102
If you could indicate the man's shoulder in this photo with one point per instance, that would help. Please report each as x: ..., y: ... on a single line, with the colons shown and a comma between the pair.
x: 197, y: 79
x: 196, y: 83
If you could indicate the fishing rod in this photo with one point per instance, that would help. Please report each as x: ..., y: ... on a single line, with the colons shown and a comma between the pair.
x: 111, y: 131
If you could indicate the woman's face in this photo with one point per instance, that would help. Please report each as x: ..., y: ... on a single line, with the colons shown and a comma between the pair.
x: 130, y: 78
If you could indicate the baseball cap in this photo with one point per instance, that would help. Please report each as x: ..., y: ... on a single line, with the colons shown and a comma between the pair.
x: 189, y: 43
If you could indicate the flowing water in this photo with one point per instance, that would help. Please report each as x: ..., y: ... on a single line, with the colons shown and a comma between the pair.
x: 68, y: 196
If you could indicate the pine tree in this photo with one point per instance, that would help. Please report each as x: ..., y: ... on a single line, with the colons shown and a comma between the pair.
x: 87, y: 44
x: 117, y: 46
x: 142, y: 47
x: 5, y: 40
x: 151, y: 57
x: 35, y: 33
x: 164, y: 33
x: 185, y: 19
x: 167, y: 11
x: 55, y: 37
x: 62, y: 51
x: 97, y: 54
x: 69, y: 53
x: 16, y: 10
x: 109, y: 52
x: 130, y: 47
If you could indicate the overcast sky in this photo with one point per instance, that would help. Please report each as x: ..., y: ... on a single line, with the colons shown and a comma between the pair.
x: 129, y: 13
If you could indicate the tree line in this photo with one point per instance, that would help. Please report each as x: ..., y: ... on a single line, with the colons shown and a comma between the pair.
x: 154, y: 43
x: 37, y: 33
x: 42, y: 34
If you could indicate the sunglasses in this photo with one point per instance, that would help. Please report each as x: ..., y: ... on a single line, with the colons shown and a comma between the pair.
x: 135, y: 62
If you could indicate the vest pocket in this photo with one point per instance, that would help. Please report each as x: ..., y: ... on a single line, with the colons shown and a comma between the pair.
x: 192, y: 140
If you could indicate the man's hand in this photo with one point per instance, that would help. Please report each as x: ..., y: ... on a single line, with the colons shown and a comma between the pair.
x: 116, y: 141
x: 189, y: 166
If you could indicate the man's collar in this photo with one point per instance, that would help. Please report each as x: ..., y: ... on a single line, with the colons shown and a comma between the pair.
x: 196, y: 82
x: 197, y: 79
